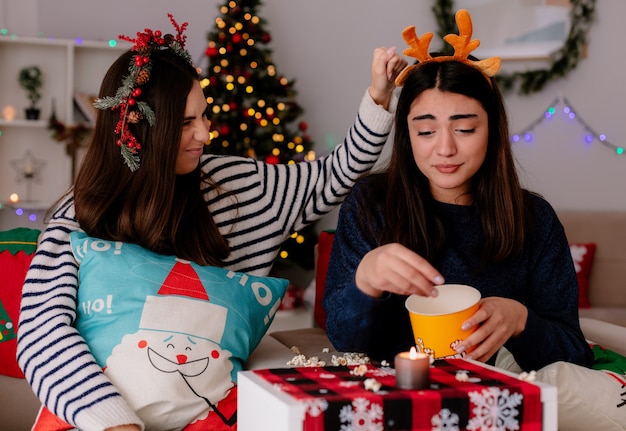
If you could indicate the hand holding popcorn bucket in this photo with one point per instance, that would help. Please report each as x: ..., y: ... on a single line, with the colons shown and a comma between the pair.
x: 436, y: 322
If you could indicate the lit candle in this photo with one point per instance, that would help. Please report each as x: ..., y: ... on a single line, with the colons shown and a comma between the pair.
x: 8, y: 112
x: 28, y: 168
x: 412, y: 370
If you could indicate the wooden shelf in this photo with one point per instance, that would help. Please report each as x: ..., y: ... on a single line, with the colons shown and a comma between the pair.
x: 26, y: 205
x: 18, y: 122
x: 68, y: 67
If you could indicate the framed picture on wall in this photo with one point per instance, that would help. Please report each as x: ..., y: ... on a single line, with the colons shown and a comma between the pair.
x: 84, y: 104
x: 519, y: 29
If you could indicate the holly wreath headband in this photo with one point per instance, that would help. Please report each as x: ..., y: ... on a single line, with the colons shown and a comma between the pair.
x: 462, y: 43
x: 128, y: 96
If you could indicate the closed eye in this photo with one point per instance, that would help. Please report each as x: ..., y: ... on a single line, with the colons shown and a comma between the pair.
x: 188, y: 120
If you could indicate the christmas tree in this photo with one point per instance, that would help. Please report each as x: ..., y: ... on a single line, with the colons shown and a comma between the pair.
x: 252, y: 108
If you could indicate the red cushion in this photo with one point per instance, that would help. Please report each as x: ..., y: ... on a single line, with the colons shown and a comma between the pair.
x: 324, y: 247
x: 582, y: 254
x: 17, y: 247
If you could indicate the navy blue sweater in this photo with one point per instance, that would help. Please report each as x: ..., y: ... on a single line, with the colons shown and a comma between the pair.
x: 542, y: 278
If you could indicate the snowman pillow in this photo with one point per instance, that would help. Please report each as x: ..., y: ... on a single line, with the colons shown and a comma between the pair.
x: 171, y: 335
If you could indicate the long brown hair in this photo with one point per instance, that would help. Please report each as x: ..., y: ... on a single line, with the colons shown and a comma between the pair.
x: 408, y: 205
x: 152, y: 207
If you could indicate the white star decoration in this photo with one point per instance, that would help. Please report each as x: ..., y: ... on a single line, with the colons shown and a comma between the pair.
x: 28, y: 167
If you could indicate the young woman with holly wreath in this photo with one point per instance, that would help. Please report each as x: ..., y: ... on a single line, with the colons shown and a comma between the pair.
x: 165, y: 196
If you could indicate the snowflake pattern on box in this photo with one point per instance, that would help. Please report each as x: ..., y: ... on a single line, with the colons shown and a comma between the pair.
x: 7, y: 328
x: 316, y: 407
x: 336, y: 398
x: 494, y: 409
x: 362, y: 415
x: 445, y: 421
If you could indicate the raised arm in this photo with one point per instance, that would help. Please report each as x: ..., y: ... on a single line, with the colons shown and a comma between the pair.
x: 330, y: 178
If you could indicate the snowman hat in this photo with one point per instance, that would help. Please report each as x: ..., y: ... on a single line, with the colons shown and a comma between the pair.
x: 180, y: 301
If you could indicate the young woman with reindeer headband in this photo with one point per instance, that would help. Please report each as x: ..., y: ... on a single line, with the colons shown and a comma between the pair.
x: 449, y: 206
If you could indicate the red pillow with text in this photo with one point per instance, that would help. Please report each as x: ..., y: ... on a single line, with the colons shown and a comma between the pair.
x: 582, y: 254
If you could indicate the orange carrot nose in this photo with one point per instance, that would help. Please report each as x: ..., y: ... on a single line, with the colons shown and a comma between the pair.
x: 181, y: 358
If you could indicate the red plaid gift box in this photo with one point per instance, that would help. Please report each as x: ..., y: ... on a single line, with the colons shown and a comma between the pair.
x: 334, y: 398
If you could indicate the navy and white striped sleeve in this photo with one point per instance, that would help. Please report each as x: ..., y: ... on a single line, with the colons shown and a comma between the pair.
x: 53, y: 356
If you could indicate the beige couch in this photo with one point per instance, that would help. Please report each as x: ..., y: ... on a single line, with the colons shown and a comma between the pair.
x: 607, y: 285
x: 604, y: 323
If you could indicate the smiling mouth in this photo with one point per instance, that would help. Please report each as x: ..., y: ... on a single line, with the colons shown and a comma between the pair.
x: 195, y: 151
x: 447, y: 168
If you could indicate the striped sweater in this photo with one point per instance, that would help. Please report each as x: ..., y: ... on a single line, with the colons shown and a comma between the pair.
x: 258, y: 207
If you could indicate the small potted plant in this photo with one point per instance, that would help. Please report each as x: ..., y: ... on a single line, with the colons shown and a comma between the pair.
x: 31, y: 80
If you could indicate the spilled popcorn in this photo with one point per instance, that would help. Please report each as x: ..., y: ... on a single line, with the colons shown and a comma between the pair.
x: 372, y: 385
x: 359, y: 371
x: 462, y: 376
x: 528, y: 377
x: 300, y: 360
x: 350, y: 359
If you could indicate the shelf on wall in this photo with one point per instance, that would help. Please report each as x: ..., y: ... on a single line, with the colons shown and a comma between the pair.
x: 69, y: 67
x: 23, y: 123
x: 26, y: 205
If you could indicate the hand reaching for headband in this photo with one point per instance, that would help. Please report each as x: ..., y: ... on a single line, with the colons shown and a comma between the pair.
x: 386, y: 66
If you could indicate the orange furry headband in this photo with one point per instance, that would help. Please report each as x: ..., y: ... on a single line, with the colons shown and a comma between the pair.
x: 462, y: 43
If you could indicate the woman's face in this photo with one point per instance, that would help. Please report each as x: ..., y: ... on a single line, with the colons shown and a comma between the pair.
x: 195, y: 131
x: 449, y: 135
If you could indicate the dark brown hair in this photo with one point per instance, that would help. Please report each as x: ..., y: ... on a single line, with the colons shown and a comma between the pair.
x: 152, y: 207
x: 408, y: 205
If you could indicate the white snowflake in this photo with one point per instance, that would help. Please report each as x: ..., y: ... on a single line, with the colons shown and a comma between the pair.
x: 362, y: 415
x: 445, y: 421
x: 316, y: 406
x: 578, y: 255
x: 495, y: 410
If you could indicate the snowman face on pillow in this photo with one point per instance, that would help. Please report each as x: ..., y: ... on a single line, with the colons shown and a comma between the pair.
x: 193, y: 372
x: 170, y: 334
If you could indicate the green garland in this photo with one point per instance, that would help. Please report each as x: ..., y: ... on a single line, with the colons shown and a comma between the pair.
x: 561, y: 62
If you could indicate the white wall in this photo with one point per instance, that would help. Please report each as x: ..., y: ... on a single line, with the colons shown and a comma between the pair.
x: 326, y: 46
x: 558, y: 164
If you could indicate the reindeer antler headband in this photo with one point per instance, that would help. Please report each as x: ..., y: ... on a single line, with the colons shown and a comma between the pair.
x: 462, y: 43
x: 126, y: 99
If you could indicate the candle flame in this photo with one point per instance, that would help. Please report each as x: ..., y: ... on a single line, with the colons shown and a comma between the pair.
x: 413, y: 353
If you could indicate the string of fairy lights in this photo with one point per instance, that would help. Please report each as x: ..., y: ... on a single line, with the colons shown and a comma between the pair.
x: 563, y: 105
